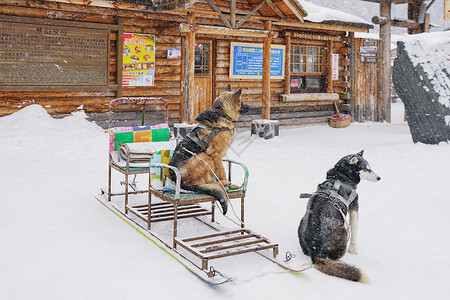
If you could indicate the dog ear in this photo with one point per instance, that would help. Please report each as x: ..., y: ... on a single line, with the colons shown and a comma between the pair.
x: 237, y: 94
x: 360, y: 153
x: 353, y: 160
x: 228, y: 88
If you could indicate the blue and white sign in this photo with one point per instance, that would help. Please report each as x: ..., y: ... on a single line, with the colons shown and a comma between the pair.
x: 246, y: 61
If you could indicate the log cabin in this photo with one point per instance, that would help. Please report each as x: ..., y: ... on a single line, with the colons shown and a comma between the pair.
x: 70, y: 55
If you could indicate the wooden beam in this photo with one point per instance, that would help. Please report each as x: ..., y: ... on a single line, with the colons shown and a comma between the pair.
x: 328, y: 27
x: 275, y: 9
x: 221, y: 16
x: 405, y: 23
x: 233, y: 13
x: 266, y: 73
x: 287, y: 66
x: 190, y: 75
x: 318, y: 37
x: 216, y: 30
x: 330, y: 67
x: 119, y: 45
x: 250, y: 14
x: 385, y: 36
x: 427, y: 23
x: 294, y: 9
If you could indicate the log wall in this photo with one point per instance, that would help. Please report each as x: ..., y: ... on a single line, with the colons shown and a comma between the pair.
x: 169, y: 74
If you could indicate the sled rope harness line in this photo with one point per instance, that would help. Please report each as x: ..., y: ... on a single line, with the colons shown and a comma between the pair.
x: 223, y: 187
x: 333, y: 195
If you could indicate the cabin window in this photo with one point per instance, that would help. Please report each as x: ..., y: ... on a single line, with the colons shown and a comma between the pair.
x: 202, y: 58
x: 307, y: 69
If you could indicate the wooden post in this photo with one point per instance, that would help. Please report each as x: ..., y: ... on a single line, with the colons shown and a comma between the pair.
x: 266, y: 73
x: 385, y: 36
x: 183, y: 110
x: 233, y: 13
x: 190, y: 66
x: 287, y: 65
x: 427, y: 23
x: 413, y: 14
x: 119, y: 46
x: 330, y: 67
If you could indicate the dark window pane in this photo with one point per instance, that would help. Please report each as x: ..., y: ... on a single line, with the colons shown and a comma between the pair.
x: 313, y: 82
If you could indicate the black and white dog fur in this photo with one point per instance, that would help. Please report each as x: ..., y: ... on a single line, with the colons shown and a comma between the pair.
x: 323, y: 231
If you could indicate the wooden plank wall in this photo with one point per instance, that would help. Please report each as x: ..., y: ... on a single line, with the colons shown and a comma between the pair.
x: 366, y: 99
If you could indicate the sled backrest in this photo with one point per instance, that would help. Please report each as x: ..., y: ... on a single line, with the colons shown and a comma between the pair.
x: 138, y: 134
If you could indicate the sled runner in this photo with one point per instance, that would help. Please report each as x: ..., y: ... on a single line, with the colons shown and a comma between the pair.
x: 160, y: 209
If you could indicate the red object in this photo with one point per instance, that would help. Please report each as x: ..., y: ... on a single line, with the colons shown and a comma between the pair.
x: 340, y: 120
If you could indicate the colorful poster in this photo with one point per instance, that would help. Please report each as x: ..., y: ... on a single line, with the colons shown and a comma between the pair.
x: 246, y: 61
x: 138, y: 60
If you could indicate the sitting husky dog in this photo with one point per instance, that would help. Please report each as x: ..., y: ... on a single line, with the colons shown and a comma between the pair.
x: 199, y: 155
x: 322, y: 232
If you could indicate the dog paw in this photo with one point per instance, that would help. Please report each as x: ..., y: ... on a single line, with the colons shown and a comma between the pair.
x: 352, y: 249
x: 233, y: 187
x: 225, y: 182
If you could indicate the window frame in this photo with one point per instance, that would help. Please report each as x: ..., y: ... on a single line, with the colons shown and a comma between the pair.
x: 202, y: 67
x: 299, y: 57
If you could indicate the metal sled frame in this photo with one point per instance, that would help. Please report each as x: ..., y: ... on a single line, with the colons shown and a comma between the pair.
x: 129, y: 170
x: 177, y: 205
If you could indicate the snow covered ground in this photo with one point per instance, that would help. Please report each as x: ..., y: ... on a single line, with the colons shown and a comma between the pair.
x: 58, y: 242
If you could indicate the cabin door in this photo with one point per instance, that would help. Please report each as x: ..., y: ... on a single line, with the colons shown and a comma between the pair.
x: 203, y: 91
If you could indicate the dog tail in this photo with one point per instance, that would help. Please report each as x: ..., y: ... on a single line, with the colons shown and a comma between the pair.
x: 339, y: 269
x: 212, y: 189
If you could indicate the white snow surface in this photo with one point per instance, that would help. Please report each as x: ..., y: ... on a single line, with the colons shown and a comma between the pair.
x: 432, y: 52
x: 343, y: 10
x: 58, y: 242
x: 317, y: 13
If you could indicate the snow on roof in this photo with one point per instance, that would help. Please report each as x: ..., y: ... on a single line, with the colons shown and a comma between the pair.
x: 319, y: 14
x: 430, y: 50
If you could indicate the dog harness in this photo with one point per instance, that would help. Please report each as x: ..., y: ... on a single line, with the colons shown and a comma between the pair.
x: 333, y: 193
x: 201, y: 140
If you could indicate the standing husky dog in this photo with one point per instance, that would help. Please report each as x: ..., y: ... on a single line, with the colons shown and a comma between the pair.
x: 322, y: 231
x: 200, y: 153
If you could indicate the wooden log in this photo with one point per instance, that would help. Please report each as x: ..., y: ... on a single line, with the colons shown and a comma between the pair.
x: 385, y: 35
x: 322, y: 27
x: 287, y: 66
x: 215, y: 30
x: 220, y: 15
x: 190, y: 66
x: 312, y: 36
x: 250, y: 14
x: 266, y: 73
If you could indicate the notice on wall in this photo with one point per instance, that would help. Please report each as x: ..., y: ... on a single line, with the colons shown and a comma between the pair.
x: 246, y: 61
x: 174, y: 53
x: 138, y: 60
x: 35, y: 55
x: 335, y: 66
x: 368, y: 54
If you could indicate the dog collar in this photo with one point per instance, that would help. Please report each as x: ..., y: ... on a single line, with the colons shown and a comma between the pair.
x: 224, y: 115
